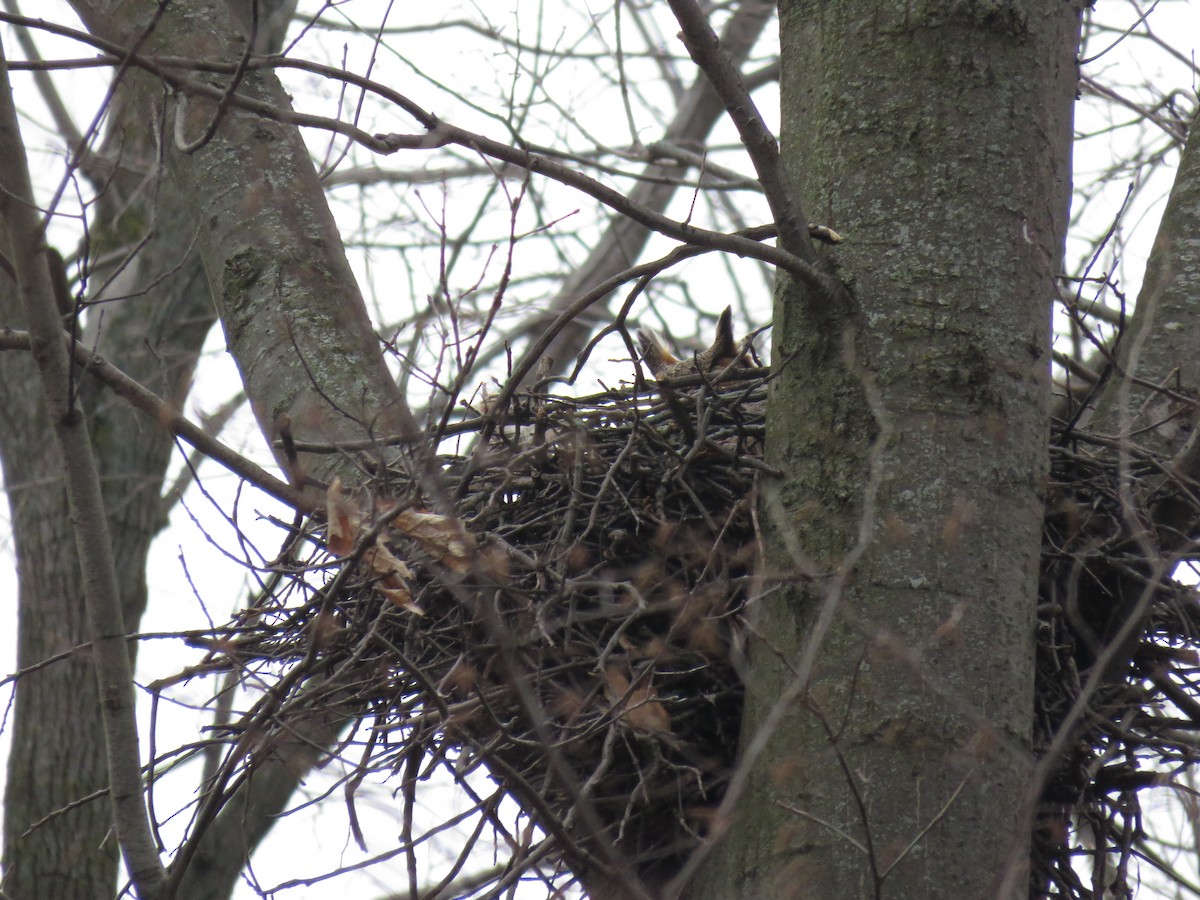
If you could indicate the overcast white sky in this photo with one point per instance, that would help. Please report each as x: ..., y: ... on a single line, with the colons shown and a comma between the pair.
x: 308, y: 844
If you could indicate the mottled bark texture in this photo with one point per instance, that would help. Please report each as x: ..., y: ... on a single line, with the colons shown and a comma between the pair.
x: 57, y: 756
x: 1168, y: 307
x: 912, y: 422
x: 294, y: 319
x: 156, y: 313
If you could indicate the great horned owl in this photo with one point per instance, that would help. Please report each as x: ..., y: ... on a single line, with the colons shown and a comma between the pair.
x: 664, y: 365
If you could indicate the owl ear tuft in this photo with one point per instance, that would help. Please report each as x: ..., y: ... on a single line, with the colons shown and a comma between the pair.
x: 654, y: 351
x: 723, y: 346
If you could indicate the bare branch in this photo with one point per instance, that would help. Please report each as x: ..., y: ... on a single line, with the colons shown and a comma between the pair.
x: 160, y: 412
x: 114, y: 672
x: 624, y: 238
x: 707, y: 53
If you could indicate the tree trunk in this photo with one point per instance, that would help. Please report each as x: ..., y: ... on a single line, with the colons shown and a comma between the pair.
x: 911, y: 419
x: 157, y: 311
x: 1167, y: 310
x: 58, y: 751
x: 57, y: 756
x: 293, y: 316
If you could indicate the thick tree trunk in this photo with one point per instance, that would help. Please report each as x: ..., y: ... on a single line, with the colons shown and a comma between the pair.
x: 293, y: 316
x: 157, y: 311
x: 58, y: 752
x: 57, y: 756
x: 912, y: 420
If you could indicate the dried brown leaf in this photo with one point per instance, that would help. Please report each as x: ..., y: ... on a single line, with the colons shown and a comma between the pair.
x: 383, y: 562
x: 398, y: 593
x: 343, y: 520
x: 636, y: 706
x: 440, y: 536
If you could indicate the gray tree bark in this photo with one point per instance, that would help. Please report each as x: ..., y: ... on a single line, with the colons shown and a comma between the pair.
x: 909, y: 412
x: 157, y: 311
x: 1168, y: 309
x: 911, y: 416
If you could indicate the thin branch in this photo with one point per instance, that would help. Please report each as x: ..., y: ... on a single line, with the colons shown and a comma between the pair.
x: 438, y: 134
x: 624, y: 239
x: 925, y: 830
x: 1169, y: 127
x: 212, y: 424
x: 102, y: 596
x: 701, y: 42
x: 444, y: 133
x: 162, y: 413
x: 45, y: 85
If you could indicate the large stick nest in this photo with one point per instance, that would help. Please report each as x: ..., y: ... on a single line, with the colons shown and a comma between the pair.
x: 576, y: 630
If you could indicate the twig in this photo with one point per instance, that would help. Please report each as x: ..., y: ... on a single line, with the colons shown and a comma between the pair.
x: 438, y: 134
x: 701, y: 42
x: 114, y: 671
x: 162, y: 413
